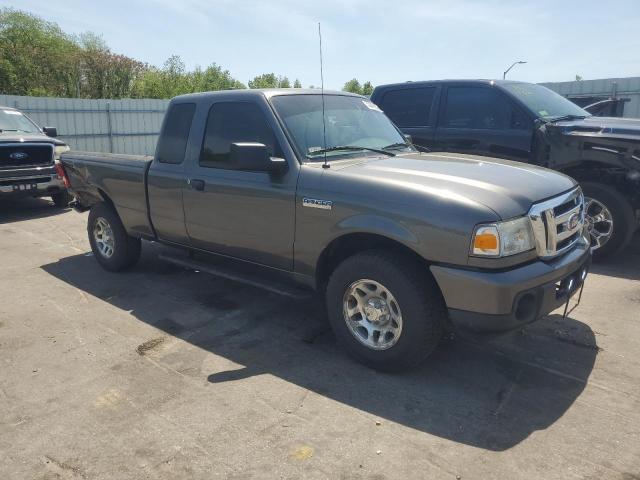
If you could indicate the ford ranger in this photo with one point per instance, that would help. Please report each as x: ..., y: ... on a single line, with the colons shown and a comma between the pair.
x: 324, y: 192
x: 29, y: 159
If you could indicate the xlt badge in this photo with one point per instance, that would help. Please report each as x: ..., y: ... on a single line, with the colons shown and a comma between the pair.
x: 317, y: 203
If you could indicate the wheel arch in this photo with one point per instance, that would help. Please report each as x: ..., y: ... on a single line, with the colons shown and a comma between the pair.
x: 352, y: 243
x: 591, y: 171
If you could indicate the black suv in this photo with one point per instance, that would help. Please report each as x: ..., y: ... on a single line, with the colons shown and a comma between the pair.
x: 530, y: 123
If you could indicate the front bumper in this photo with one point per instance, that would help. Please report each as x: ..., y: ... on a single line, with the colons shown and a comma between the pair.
x: 31, y: 186
x: 485, y: 301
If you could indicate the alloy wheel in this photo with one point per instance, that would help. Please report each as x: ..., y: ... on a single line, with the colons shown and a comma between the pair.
x: 599, y: 222
x: 103, y: 235
x: 372, y: 314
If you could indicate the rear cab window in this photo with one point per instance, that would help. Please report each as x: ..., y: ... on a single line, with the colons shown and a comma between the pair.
x: 409, y: 107
x: 172, y: 143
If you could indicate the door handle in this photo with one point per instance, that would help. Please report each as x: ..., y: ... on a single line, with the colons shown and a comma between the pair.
x: 196, y: 184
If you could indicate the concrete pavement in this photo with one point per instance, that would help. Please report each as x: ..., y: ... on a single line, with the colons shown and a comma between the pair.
x: 166, y: 373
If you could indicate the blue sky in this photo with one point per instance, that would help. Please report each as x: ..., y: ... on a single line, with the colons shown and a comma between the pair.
x: 380, y: 41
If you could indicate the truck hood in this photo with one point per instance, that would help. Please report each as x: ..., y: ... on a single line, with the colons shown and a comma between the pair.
x: 508, y: 188
x: 15, y: 137
x: 607, y: 127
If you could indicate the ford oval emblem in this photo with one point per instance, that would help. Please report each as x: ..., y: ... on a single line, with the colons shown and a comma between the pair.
x: 573, y: 221
x: 18, y: 156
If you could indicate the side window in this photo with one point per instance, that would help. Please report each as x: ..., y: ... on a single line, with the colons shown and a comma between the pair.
x: 232, y: 122
x: 408, y: 107
x: 478, y: 108
x: 173, y: 140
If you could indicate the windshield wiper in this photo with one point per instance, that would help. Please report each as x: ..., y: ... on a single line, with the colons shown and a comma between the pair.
x: 567, y: 117
x: 351, y: 148
x: 407, y: 145
x: 397, y: 145
x: 14, y: 130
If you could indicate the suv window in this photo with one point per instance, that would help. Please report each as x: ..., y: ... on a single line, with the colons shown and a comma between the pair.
x: 173, y: 140
x: 232, y: 122
x: 408, y: 107
x: 481, y: 108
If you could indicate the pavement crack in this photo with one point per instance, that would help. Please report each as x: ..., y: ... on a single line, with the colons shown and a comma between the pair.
x: 504, y: 395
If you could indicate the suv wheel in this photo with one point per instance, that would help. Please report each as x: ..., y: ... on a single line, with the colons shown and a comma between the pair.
x: 113, y: 248
x: 609, y: 218
x: 61, y: 199
x: 387, y: 312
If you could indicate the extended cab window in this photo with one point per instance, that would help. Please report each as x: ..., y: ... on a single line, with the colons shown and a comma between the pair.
x: 233, y: 122
x: 481, y: 108
x: 173, y: 141
x: 408, y: 107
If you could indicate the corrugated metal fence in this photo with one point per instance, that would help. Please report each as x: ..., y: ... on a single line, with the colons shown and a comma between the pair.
x: 621, y: 87
x: 117, y: 126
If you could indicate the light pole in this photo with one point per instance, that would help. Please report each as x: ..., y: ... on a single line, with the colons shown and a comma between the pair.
x: 504, y: 75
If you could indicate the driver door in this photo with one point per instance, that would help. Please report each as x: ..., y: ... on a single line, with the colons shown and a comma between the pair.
x: 243, y: 214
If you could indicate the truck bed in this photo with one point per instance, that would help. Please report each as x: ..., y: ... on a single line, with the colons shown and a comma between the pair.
x: 114, y: 178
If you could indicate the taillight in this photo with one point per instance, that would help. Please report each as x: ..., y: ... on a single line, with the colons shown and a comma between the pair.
x: 63, y: 175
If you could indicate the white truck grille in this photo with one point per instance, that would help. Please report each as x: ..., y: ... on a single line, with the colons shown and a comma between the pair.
x: 558, y: 223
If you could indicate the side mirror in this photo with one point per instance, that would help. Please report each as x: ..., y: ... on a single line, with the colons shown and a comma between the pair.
x: 408, y: 138
x: 251, y: 156
x: 50, y: 131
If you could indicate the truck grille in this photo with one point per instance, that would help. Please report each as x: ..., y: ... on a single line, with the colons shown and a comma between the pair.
x: 558, y: 223
x: 21, y: 155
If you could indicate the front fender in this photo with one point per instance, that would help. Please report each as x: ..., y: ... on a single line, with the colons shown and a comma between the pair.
x: 376, y: 225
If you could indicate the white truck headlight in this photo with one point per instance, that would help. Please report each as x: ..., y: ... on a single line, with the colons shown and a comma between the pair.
x: 59, y: 150
x: 502, y: 239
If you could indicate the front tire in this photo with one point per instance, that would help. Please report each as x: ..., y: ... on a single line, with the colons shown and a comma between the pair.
x: 112, y: 247
x: 609, y: 217
x: 385, y: 310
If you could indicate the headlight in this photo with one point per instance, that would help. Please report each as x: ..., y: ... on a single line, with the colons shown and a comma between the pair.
x: 502, y: 239
x: 59, y: 150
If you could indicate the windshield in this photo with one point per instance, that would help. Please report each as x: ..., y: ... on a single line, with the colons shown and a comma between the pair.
x: 13, y: 120
x: 545, y: 103
x: 350, y: 122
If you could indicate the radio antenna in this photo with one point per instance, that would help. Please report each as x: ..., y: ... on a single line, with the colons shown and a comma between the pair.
x: 324, y: 125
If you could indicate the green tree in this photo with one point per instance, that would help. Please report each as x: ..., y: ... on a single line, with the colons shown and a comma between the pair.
x: 36, y: 57
x: 103, y: 73
x: 367, y: 88
x: 214, y: 78
x: 173, y: 79
x: 297, y: 84
x: 269, y: 80
x: 352, y: 86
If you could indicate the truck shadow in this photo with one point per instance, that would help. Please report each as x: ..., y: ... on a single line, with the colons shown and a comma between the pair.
x: 491, y: 394
x: 17, y: 210
x: 624, y: 265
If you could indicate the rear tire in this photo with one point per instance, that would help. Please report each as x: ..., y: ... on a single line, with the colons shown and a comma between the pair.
x: 113, y: 248
x: 621, y: 213
x: 410, y: 292
x: 61, y: 199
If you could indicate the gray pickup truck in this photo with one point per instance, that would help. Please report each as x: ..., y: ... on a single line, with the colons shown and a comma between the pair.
x: 324, y: 191
x: 29, y: 165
